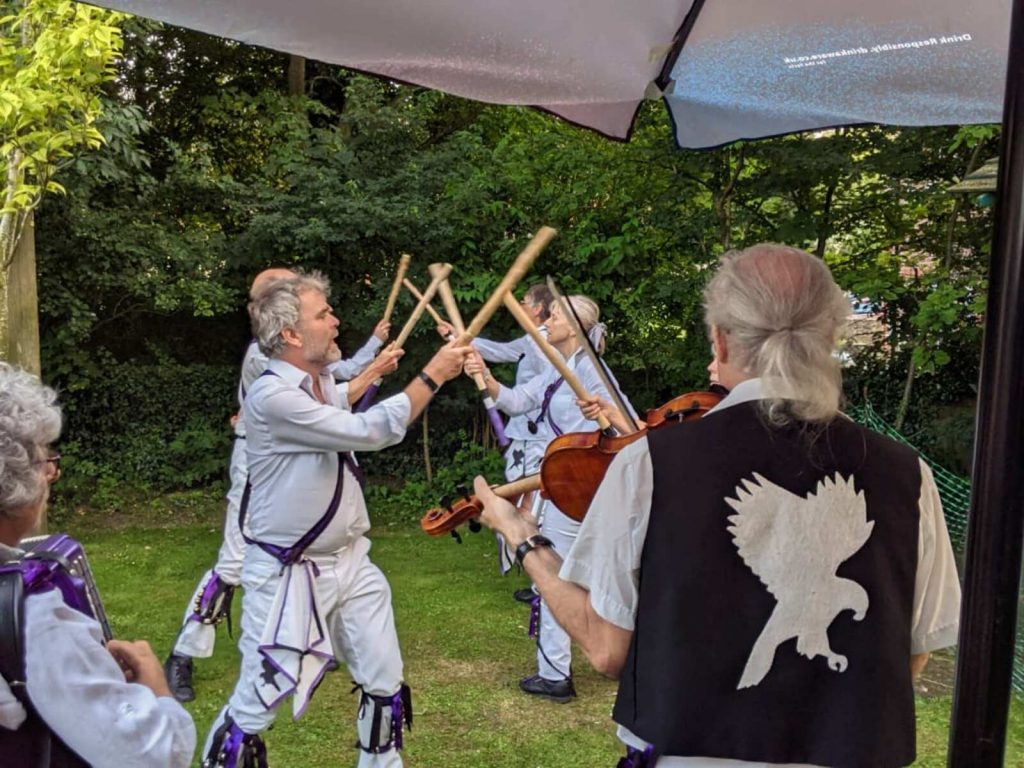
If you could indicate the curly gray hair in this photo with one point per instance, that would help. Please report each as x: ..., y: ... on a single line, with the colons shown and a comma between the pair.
x: 29, y: 421
x: 277, y: 308
x: 783, y: 314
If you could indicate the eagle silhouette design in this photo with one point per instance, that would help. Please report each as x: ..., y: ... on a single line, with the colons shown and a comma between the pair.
x: 794, y: 546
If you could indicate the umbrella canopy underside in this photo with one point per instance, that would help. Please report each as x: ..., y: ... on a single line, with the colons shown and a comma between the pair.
x: 746, y: 69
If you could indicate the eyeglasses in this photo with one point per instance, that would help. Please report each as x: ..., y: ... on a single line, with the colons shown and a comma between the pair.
x: 52, y: 471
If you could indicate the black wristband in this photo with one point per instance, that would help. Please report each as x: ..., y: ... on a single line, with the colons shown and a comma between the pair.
x: 425, y: 378
x: 531, y: 543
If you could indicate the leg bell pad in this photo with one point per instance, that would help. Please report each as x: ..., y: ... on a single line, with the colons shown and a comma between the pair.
x: 234, y: 748
x: 380, y: 719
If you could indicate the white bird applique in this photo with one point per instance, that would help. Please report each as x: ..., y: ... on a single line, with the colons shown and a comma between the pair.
x: 794, y: 546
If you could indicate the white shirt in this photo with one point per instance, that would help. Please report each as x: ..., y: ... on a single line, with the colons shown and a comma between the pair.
x: 605, y: 560
x: 292, y: 446
x: 80, y: 692
x: 530, y: 364
x: 255, y: 362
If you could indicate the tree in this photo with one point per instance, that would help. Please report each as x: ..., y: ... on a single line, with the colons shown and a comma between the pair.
x: 55, y: 55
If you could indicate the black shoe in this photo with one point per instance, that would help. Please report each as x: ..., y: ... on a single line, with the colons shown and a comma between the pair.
x: 553, y: 690
x: 524, y: 595
x: 178, y: 671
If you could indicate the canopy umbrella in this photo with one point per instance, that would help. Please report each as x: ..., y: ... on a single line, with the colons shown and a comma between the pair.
x: 743, y: 69
x: 728, y: 69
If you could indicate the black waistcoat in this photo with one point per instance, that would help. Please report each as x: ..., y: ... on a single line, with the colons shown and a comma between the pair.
x: 704, y: 619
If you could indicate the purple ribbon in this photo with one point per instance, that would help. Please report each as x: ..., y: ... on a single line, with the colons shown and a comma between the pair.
x: 496, y: 423
x: 367, y: 399
x: 209, y: 592
x: 534, y: 617
x: 232, y: 746
x: 396, y: 719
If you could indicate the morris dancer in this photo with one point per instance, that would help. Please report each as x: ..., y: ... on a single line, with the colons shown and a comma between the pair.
x: 766, y: 581
x: 311, y: 591
x: 211, y: 602
x: 557, y: 413
x: 526, y: 449
x: 108, y: 707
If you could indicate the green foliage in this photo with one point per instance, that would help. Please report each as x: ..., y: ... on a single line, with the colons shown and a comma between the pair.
x: 410, y: 501
x: 54, y: 57
x: 158, y: 426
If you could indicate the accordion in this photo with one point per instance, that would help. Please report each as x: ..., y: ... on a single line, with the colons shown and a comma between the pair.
x: 58, y: 561
x: 49, y: 562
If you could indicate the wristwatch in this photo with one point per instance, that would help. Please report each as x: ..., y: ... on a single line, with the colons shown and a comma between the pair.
x: 531, y: 543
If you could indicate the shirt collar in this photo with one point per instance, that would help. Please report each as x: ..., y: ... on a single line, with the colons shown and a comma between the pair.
x: 295, y: 377
x: 744, y: 392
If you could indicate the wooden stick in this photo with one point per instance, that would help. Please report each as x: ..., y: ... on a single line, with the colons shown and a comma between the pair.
x: 403, y: 264
x: 424, y: 300
x: 417, y: 295
x: 515, y: 273
x: 518, y: 487
x: 448, y: 300
x: 552, y: 354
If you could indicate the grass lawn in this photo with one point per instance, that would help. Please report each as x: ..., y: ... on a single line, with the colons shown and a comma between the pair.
x: 463, y: 639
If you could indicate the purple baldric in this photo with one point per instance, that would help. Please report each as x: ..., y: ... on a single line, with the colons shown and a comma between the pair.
x: 534, y: 617
x: 546, y: 405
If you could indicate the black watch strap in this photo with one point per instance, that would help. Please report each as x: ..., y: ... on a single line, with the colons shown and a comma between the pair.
x: 425, y: 378
x: 531, y: 543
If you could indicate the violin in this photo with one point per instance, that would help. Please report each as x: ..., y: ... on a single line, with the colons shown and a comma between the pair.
x: 574, y: 465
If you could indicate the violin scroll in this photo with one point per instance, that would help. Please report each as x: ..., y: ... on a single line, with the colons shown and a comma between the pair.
x: 466, y: 509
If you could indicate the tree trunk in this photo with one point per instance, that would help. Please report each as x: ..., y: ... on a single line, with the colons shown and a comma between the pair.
x: 19, y: 305
x: 296, y: 75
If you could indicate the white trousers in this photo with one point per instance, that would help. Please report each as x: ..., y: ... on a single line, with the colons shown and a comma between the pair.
x: 554, y: 647
x: 522, y: 457
x: 356, y: 602
x: 196, y: 639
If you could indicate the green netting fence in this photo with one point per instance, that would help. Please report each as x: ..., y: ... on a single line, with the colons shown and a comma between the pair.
x: 955, y: 492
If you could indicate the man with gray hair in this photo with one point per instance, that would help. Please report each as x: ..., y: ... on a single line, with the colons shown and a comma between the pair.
x: 70, y: 697
x: 311, y: 592
x: 765, y: 581
x: 210, y: 603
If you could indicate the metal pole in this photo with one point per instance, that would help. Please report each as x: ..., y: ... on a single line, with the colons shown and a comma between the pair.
x: 994, y: 538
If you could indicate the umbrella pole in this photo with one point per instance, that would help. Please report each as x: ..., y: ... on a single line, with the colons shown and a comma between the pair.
x: 994, y: 538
